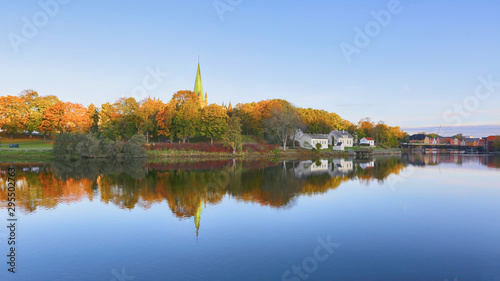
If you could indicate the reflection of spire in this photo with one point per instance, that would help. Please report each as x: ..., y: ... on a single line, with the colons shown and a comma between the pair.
x: 197, y: 217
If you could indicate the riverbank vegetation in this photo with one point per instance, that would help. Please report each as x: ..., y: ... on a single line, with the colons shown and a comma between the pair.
x: 180, y: 119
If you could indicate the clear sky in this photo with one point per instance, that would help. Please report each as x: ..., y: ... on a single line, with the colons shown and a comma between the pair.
x: 414, y: 72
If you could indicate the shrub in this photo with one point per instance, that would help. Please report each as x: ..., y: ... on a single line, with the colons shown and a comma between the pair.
x: 90, y: 146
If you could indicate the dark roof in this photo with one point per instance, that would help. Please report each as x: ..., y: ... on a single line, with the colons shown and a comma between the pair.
x: 341, y: 134
x: 318, y: 136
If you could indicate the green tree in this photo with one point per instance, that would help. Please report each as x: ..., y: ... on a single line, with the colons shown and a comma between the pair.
x: 232, y: 136
x: 186, y: 116
x: 213, y: 121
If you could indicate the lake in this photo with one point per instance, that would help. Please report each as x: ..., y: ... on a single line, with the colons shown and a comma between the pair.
x: 415, y: 217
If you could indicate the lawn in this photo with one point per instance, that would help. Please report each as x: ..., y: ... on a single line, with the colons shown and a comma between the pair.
x: 25, y: 143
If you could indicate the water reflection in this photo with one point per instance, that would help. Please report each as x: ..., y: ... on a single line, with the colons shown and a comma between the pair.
x: 187, y: 187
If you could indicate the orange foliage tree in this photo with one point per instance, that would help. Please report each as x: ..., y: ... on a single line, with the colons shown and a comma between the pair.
x: 66, y: 117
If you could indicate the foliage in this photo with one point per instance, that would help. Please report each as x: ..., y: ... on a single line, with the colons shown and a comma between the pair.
x: 186, y: 116
x: 232, y: 136
x: 213, y: 121
x: 66, y: 117
x: 282, y: 123
x: 69, y: 145
x: 13, y: 113
x: 147, y: 113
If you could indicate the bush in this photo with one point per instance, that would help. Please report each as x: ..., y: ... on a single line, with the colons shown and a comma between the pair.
x: 364, y: 144
x: 90, y: 146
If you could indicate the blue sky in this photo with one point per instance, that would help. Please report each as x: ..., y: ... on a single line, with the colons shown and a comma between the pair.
x: 417, y: 71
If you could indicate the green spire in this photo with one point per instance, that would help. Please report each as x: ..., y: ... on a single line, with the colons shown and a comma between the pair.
x: 198, y: 88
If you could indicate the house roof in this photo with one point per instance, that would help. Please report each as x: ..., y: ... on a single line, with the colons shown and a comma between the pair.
x: 368, y: 138
x: 341, y: 134
x: 318, y: 136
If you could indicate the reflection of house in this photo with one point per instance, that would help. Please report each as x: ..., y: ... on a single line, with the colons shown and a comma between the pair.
x: 367, y: 140
x: 340, y: 139
x: 307, y: 168
x: 341, y: 166
x: 367, y: 165
x: 335, y: 168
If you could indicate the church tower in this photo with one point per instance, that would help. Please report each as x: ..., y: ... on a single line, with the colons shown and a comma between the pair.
x: 198, y: 88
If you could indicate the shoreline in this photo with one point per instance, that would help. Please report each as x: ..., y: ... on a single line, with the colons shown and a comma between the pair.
x: 291, y: 154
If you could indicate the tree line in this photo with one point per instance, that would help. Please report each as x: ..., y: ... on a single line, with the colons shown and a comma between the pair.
x: 181, y: 119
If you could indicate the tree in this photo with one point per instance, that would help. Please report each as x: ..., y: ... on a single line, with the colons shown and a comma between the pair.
x: 282, y: 123
x: 365, y: 128
x: 496, y: 143
x: 13, y: 112
x: 66, y: 117
x: 119, y: 120
x: 186, y: 115
x: 232, y: 136
x: 93, y: 115
x: 459, y: 136
x: 36, y: 106
x: 213, y: 121
x: 164, y: 119
x: 147, y: 112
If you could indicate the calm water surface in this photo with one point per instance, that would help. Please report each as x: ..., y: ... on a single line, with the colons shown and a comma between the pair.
x: 411, y: 218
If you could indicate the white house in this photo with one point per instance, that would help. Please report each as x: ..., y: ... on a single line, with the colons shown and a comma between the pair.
x: 368, y: 140
x: 310, y: 141
x: 340, y: 139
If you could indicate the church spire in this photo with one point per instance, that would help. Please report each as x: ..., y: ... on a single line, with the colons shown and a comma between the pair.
x: 198, y: 88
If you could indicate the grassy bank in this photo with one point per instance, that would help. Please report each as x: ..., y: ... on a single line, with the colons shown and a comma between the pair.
x: 25, y: 155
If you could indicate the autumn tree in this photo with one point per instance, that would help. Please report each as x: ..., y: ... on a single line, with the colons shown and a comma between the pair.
x: 365, y: 128
x: 232, y: 136
x: 119, y: 120
x: 186, y: 115
x: 164, y: 119
x: 147, y: 112
x: 66, y: 117
x: 282, y: 123
x: 13, y: 113
x: 319, y: 121
x: 35, y: 107
x: 213, y: 121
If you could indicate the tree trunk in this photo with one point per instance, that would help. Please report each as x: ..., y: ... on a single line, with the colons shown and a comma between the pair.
x: 234, y: 150
x: 284, y: 145
x: 44, y: 136
x: 212, y: 140
x: 147, y: 136
x: 10, y: 135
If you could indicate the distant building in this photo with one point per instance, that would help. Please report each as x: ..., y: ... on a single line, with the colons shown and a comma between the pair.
x: 367, y: 140
x: 489, y: 142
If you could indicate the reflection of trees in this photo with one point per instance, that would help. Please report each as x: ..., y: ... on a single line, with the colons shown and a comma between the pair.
x: 131, y: 184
